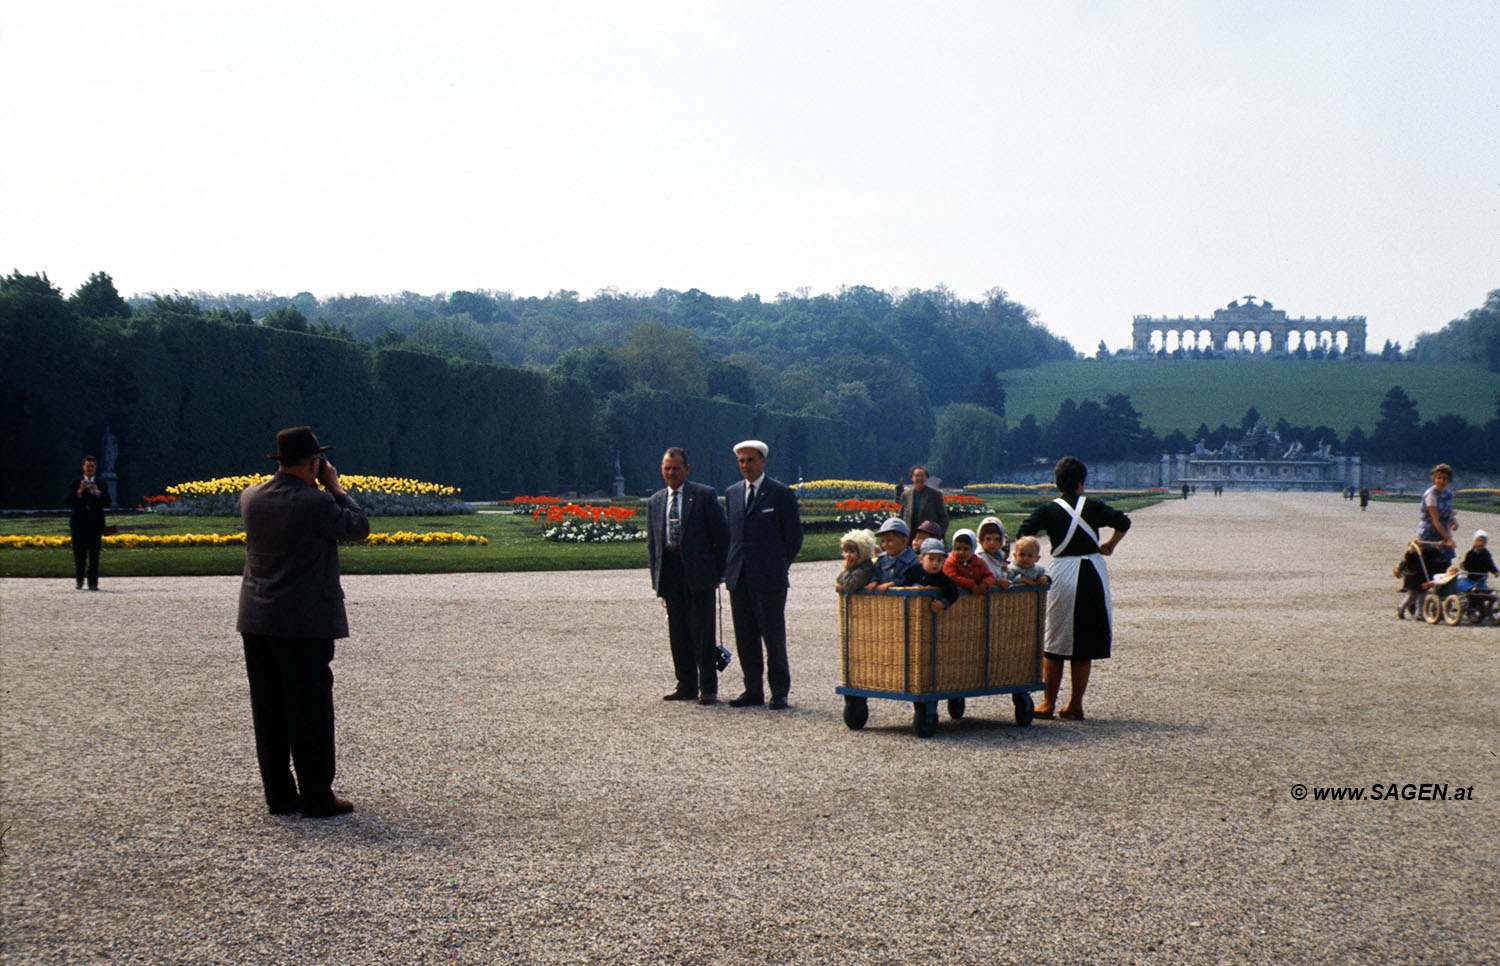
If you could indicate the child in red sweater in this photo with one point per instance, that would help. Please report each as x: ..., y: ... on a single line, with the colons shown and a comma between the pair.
x: 966, y: 570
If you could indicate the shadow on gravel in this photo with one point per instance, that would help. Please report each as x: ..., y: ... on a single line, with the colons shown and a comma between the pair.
x: 974, y: 729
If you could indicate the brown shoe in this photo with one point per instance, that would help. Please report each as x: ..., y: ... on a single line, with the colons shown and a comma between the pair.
x: 680, y: 696
x: 1071, y: 715
x: 332, y: 808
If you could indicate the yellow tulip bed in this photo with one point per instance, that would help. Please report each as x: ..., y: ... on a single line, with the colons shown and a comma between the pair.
x: 376, y: 495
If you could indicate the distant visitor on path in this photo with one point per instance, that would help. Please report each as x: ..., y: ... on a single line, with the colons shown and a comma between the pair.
x: 687, y: 543
x: 1079, y: 612
x: 291, y: 611
x: 1438, y: 520
x: 765, y: 533
x: 86, y: 503
x: 923, y: 504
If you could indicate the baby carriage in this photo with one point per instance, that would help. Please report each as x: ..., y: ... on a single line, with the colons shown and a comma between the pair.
x: 1449, y: 603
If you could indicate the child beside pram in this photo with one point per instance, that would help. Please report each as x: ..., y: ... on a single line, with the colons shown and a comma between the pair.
x: 1417, y: 568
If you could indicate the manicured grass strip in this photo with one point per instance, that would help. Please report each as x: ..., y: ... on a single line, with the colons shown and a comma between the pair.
x: 515, y: 545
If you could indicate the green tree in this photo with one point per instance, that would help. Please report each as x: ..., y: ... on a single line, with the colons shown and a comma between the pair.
x: 98, y: 299
x: 1398, y: 432
x: 596, y: 368
x: 988, y: 392
x: 665, y: 358
x: 969, y: 445
x: 288, y: 318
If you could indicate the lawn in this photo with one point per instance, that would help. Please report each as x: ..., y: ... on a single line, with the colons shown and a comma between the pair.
x: 515, y: 544
x: 1181, y: 393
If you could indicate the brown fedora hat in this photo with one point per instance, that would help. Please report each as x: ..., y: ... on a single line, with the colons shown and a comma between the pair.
x: 296, y: 444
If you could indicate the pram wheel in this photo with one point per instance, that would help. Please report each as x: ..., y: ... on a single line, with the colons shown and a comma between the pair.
x: 955, y: 708
x: 1453, y: 610
x: 924, y: 718
x: 1432, y: 608
x: 856, y: 712
x: 1025, y: 708
x: 1479, y: 609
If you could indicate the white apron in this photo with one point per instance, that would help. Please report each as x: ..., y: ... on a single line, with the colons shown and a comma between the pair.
x: 1063, y: 593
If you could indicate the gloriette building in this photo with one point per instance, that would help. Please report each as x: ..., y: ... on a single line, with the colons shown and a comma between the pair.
x: 1245, y: 327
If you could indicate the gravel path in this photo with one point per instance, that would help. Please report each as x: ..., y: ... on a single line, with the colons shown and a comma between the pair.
x: 525, y: 796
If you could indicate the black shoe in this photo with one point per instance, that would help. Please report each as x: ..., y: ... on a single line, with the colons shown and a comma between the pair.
x: 708, y: 699
x: 79, y: 585
x: 335, y: 806
x: 777, y: 704
x: 679, y: 696
x: 287, y: 807
x: 748, y: 700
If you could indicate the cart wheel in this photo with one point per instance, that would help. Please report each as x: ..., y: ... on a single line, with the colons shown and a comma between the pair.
x: 1479, y: 610
x: 924, y: 718
x: 1025, y: 708
x: 1453, y: 610
x: 1432, y: 609
x: 856, y: 712
x: 1495, y: 615
x: 955, y: 708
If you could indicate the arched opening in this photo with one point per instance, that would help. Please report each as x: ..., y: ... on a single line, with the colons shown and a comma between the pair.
x: 1174, y: 342
x: 1232, y: 342
x: 1205, y: 340
x: 1266, y: 342
x: 1293, y: 341
x: 1156, y: 340
x: 1341, y: 339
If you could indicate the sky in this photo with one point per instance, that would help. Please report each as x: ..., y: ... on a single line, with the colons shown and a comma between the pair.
x: 1094, y: 159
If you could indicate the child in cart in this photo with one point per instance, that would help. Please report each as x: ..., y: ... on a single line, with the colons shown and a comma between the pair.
x: 897, y: 564
x: 859, y: 561
x: 965, y: 568
x: 1025, y: 570
x: 1478, y: 565
x: 934, y: 555
x: 992, y: 549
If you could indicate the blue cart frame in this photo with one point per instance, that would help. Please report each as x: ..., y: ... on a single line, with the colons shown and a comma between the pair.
x: 925, y: 702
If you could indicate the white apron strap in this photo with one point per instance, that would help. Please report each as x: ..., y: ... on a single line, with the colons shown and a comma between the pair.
x: 1076, y: 524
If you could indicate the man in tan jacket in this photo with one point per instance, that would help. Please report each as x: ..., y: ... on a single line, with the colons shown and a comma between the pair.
x: 291, y: 611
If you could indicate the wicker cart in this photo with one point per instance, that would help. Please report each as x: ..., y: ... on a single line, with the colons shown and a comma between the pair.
x: 895, y: 647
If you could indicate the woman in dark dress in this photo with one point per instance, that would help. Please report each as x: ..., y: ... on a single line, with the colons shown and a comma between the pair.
x: 1079, y: 613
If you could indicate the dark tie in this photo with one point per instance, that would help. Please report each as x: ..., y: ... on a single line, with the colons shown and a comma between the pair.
x: 674, y: 521
x: 749, y: 497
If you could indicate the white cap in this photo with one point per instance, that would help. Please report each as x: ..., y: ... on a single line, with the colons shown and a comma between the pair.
x: 1481, y: 533
x: 753, y: 444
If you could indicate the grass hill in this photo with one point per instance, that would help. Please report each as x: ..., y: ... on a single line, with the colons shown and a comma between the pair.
x: 1181, y: 393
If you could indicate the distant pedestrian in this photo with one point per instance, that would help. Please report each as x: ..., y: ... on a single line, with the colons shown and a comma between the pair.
x: 291, y: 611
x: 1364, y: 498
x: 1184, y: 491
x: 86, y: 502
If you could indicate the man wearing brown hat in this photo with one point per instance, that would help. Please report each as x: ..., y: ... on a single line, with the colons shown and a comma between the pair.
x: 291, y: 611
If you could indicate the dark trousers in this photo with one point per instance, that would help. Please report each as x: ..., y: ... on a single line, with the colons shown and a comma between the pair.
x: 86, y: 557
x: 690, y: 629
x: 291, y: 703
x: 760, y: 618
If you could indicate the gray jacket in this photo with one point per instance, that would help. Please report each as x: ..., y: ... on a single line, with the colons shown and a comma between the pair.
x: 291, y: 583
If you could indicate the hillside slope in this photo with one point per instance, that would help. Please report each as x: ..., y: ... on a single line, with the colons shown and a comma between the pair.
x: 1181, y: 393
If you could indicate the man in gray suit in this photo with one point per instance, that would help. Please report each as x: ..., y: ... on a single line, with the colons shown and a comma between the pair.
x: 291, y: 611
x: 687, y: 540
x: 765, y: 533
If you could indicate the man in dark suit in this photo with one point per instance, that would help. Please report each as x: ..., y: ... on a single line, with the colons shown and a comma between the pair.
x: 291, y: 611
x: 687, y: 540
x: 86, y: 501
x: 765, y: 533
